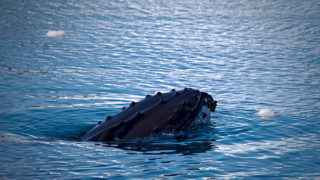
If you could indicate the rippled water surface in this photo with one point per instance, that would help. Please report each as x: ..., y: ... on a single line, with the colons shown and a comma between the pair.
x: 248, y: 55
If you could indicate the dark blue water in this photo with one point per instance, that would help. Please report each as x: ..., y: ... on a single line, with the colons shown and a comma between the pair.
x: 248, y: 55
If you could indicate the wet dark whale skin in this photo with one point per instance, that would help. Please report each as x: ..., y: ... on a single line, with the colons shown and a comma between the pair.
x: 172, y: 111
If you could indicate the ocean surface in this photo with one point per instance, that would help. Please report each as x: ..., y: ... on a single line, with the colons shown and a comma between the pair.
x: 249, y: 55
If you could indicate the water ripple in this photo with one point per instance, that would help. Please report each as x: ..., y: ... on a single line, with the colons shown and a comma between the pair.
x: 248, y: 55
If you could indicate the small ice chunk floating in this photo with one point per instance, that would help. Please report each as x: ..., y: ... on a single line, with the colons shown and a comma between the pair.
x: 163, y: 112
x: 266, y: 114
x: 56, y: 34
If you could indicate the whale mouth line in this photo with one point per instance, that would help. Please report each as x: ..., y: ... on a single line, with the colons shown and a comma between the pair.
x: 190, y: 118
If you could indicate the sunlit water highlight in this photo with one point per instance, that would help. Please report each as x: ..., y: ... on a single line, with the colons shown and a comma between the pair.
x: 248, y: 55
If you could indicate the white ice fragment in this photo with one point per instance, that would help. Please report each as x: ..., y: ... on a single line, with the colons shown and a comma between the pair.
x: 57, y: 34
x: 266, y: 114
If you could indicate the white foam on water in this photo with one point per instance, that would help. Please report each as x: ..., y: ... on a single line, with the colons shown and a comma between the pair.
x: 57, y: 34
x: 266, y: 114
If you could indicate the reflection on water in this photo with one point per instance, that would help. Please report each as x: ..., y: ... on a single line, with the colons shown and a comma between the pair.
x: 186, y: 143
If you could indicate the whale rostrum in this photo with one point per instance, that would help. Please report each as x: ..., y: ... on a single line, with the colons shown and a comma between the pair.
x: 171, y: 111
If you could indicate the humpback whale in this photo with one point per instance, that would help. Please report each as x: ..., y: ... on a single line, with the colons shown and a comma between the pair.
x: 163, y: 112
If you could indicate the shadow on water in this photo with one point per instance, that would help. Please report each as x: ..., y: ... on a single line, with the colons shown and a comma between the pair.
x: 188, y: 142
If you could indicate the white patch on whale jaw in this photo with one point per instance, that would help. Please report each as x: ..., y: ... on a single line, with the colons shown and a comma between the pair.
x: 203, y: 117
